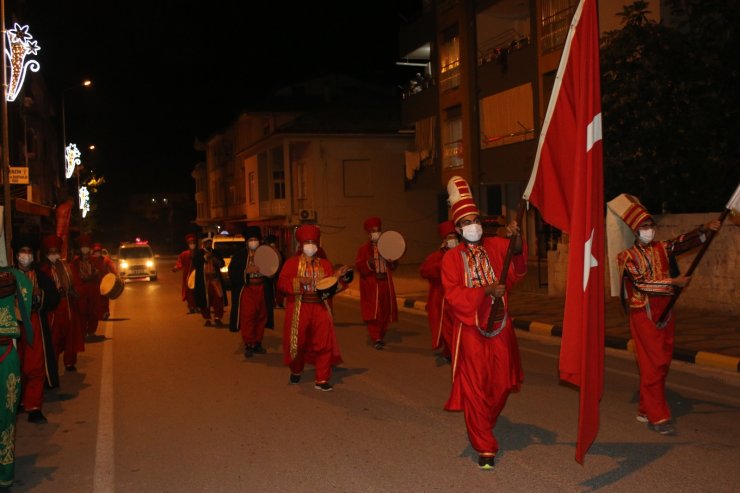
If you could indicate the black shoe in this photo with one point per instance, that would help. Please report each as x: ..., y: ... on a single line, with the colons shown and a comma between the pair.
x: 324, y: 387
x: 248, y: 352
x: 106, y: 316
x: 379, y: 345
x: 208, y: 323
x: 294, y: 379
x: 37, y: 417
x: 664, y: 428
x: 486, y: 461
x: 70, y: 368
x: 218, y: 323
x: 258, y: 349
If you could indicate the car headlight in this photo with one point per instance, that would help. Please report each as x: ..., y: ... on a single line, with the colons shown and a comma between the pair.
x: 150, y: 263
x: 124, y: 264
x: 224, y: 269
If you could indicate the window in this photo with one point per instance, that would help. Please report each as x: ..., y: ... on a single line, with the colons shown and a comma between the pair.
x: 449, y: 60
x: 507, y: 117
x: 452, y: 138
x: 252, y: 186
x: 555, y: 21
x: 278, y: 173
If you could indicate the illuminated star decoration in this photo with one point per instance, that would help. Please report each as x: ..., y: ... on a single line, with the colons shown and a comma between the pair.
x: 20, y: 45
x: 72, y: 160
x: 84, y: 201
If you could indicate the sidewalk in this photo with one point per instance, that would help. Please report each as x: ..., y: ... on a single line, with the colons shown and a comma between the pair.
x: 704, y: 337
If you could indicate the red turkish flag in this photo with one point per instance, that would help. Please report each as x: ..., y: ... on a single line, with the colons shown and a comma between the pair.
x: 567, y: 186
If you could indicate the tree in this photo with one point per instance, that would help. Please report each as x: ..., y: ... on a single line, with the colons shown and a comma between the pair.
x: 670, y: 118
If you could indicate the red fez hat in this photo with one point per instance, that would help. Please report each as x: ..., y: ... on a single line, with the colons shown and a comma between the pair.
x: 630, y: 210
x: 51, y: 241
x: 85, y: 240
x: 308, y: 232
x: 191, y: 237
x: 446, y: 228
x: 96, y: 246
x: 370, y: 223
x: 460, y: 199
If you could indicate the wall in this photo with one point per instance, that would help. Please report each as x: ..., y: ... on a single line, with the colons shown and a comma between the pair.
x: 412, y: 213
x: 716, y: 280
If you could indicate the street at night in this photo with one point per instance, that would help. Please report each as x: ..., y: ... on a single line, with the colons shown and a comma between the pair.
x: 165, y: 404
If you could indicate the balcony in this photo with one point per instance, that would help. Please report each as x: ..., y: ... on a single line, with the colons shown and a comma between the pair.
x: 452, y: 155
x: 554, y: 27
x: 450, y: 76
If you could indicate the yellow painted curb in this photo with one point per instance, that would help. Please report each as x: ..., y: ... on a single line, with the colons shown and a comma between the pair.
x: 717, y: 360
x: 540, y: 328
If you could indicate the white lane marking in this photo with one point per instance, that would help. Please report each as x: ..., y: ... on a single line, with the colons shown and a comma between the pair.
x: 103, y: 474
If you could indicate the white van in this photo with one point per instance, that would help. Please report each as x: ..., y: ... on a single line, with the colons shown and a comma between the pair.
x: 226, y: 245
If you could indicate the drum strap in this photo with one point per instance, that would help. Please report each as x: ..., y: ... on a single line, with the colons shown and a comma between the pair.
x: 380, y: 263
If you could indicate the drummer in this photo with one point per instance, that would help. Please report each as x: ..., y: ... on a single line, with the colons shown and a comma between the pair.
x: 104, y: 265
x: 252, y: 306
x: 308, y: 335
x: 377, y: 293
x: 86, y: 277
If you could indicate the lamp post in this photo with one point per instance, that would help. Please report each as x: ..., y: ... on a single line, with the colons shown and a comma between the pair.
x: 8, y: 227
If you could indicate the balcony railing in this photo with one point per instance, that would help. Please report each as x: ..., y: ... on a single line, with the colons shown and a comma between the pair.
x: 504, y: 43
x: 450, y: 76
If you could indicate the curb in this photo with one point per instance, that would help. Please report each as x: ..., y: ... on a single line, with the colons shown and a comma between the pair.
x: 700, y: 358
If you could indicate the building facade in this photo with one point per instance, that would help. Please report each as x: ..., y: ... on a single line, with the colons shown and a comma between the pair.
x: 333, y: 165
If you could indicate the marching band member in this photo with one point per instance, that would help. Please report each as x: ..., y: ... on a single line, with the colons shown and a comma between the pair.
x: 210, y: 295
x: 308, y: 335
x: 104, y: 265
x: 439, y: 314
x: 647, y: 288
x: 485, y: 366
x: 185, y: 264
x: 377, y: 293
x: 250, y: 301
x: 87, y: 278
x: 66, y: 333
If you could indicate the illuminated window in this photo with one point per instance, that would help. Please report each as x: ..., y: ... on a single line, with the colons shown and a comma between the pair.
x: 252, y: 185
x: 449, y: 59
x: 452, y: 138
x: 507, y: 117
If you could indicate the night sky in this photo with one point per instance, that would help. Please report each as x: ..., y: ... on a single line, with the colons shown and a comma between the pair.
x: 168, y: 72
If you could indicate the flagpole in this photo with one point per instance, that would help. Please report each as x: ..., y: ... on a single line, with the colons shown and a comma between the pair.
x: 710, y: 236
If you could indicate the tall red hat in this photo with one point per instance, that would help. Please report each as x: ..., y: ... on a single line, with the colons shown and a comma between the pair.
x: 446, y: 228
x: 85, y: 240
x: 308, y: 232
x: 460, y: 199
x: 191, y: 237
x: 51, y: 241
x: 370, y: 223
x: 630, y: 210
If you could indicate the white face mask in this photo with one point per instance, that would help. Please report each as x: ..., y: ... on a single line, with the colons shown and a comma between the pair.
x: 97, y: 254
x: 53, y: 257
x: 451, y: 243
x: 85, y: 250
x: 309, y: 249
x: 191, y: 246
x: 472, y: 232
x: 253, y: 244
x: 25, y: 259
x: 646, y: 235
x: 375, y: 235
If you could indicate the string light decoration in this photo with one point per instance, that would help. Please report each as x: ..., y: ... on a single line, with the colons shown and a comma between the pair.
x: 84, y: 201
x: 72, y: 159
x: 20, y: 45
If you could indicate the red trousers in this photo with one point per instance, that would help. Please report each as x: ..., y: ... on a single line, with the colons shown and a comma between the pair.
x: 316, y: 340
x: 215, y: 303
x: 379, y: 326
x: 33, y: 367
x: 486, y: 371
x: 66, y: 333
x: 89, y: 304
x: 252, y: 314
x: 654, y: 350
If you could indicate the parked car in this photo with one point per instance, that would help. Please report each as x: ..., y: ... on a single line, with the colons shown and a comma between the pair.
x: 136, y: 260
x: 225, y: 246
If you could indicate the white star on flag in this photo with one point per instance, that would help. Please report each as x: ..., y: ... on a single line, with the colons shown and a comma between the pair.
x: 589, y: 261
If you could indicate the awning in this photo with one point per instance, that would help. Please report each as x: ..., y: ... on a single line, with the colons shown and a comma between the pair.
x: 32, y: 208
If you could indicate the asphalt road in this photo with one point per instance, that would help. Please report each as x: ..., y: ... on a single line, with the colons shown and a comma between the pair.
x: 163, y: 404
